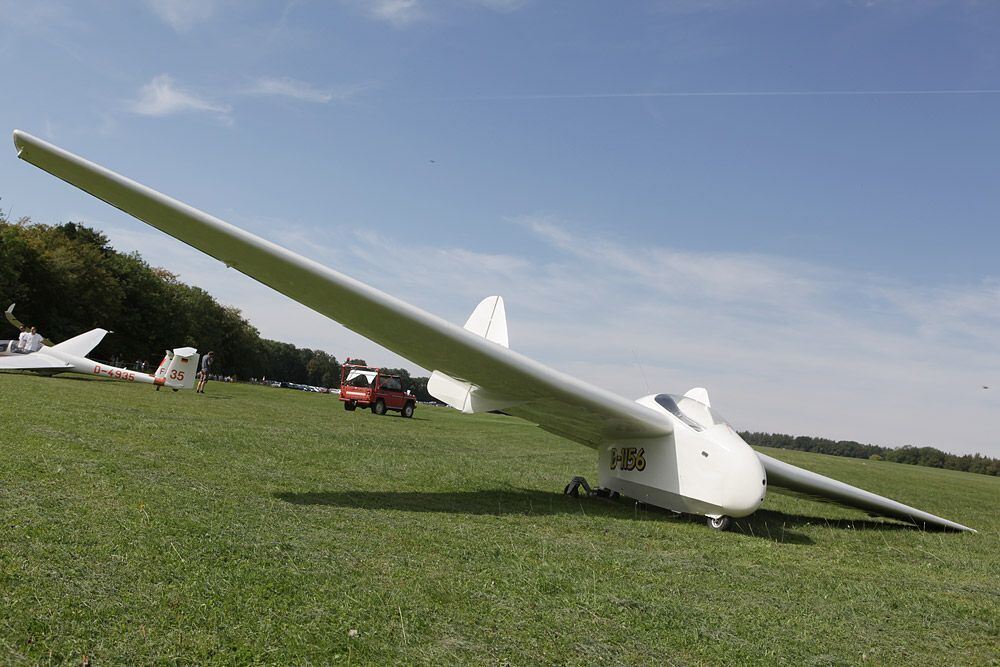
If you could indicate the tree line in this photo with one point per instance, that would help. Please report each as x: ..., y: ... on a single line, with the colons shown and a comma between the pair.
x: 921, y: 456
x: 67, y: 279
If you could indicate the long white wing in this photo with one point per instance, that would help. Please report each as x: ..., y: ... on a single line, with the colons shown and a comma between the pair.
x: 35, y: 361
x: 781, y: 475
x: 555, y: 401
x: 82, y: 345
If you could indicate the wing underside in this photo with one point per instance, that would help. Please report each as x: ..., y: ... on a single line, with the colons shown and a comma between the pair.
x: 35, y: 361
x: 553, y: 400
x: 783, y: 476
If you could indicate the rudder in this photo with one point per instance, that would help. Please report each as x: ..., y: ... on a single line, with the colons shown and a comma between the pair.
x: 178, y: 368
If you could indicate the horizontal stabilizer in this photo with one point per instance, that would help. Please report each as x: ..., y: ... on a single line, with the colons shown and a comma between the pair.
x: 465, y: 396
x: 781, y: 475
x: 81, y: 346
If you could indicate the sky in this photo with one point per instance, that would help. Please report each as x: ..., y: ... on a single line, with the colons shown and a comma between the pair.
x: 794, y: 204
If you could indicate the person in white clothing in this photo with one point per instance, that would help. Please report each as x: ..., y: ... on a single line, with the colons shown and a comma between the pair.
x: 22, y: 340
x: 34, y: 341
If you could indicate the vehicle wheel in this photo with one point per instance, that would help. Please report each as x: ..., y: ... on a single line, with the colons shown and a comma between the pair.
x: 379, y: 407
x: 719, y: 523
x: 350, y: 406
x: 408, y: 410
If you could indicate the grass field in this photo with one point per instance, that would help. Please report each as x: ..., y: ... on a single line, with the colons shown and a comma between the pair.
x: 256, y: 525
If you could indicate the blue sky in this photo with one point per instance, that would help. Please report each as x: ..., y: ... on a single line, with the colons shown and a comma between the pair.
x: 794, y: 204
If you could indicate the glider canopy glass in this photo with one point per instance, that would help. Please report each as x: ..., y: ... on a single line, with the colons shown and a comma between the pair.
x: 8, y: 346
x: 694, y: 413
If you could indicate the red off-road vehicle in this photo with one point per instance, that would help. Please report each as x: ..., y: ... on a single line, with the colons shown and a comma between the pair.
x: 364, y: 387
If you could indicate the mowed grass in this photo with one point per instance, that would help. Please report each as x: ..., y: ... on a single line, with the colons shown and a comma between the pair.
x: 257, y: 525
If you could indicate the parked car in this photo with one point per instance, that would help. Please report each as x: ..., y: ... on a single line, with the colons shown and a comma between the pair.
x: 365, y: 387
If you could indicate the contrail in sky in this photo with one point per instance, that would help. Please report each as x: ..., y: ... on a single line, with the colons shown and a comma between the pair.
x: 738, y: 93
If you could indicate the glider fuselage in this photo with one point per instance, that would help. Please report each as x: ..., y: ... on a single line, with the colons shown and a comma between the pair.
x: 700, y: 468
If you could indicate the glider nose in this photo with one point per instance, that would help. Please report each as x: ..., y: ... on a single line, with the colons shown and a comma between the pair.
x: 746, y: 483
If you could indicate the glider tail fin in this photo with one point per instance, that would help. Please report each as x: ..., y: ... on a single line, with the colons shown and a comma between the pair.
x: 488, y: 320
x: 178, y: 368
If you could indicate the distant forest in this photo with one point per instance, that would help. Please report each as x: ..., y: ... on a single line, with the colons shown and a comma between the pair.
x: 921, y: 456
x: 67, y: 279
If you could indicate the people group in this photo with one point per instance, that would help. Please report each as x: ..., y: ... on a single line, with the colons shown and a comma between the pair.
x: 29, y: 340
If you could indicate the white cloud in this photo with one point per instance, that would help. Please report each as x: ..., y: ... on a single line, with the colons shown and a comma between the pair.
x: 162, y: 97
x: 299, y: 90
x: 397, y: 12
x: 401, y: 13
x: 182, y: 15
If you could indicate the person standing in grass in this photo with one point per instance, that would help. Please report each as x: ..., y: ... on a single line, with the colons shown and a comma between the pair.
x: 34, y: 341
x: 22, y: 339
x: 206, y: 364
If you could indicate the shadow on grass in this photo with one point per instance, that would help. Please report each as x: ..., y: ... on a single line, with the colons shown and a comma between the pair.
x: 492, y: 501
x: 771, y: 520
x: 763, y: 524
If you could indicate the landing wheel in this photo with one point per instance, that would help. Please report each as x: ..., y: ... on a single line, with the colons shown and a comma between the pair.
x: 350, y: 406
x: 379, y: 407
x: 719, y: 522
x: 408, y: 410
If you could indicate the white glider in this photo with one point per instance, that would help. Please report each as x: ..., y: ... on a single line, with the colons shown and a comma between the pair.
x: 176, y: 371
x: 671, y: 451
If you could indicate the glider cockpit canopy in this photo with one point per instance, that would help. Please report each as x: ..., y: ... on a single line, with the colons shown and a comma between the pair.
x: 691, y: 412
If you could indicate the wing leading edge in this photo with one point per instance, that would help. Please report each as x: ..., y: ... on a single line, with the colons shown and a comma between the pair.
x: 555, y: 401
x: 781, y: 475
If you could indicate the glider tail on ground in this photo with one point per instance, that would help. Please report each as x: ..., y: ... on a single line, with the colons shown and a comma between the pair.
x: 178, y: 368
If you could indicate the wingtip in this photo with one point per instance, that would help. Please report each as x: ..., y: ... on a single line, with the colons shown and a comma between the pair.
x: 20, y: 138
